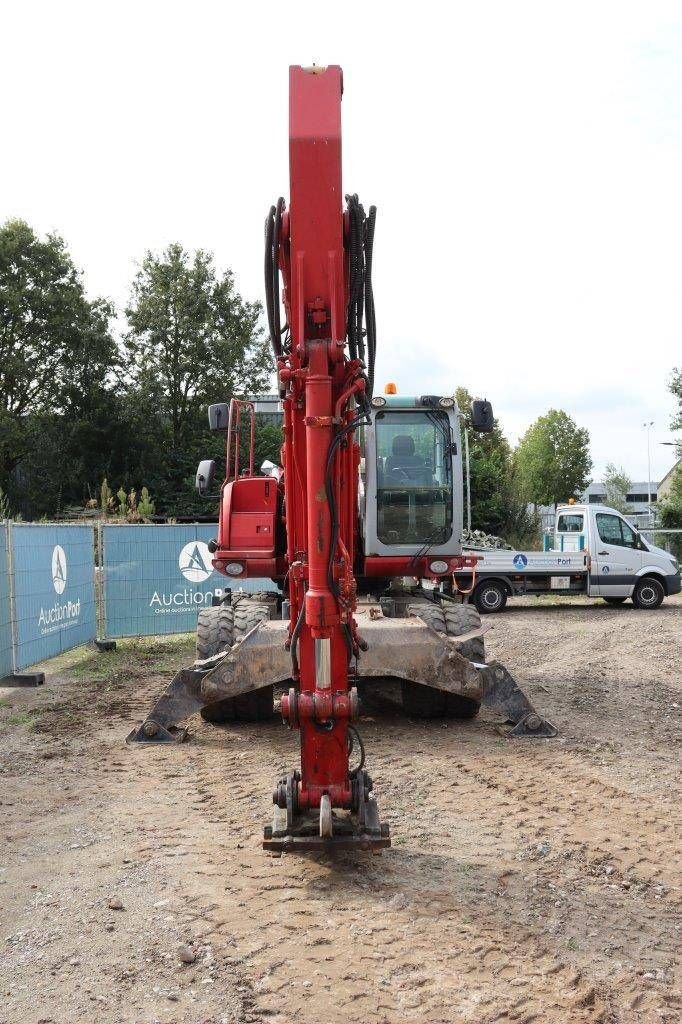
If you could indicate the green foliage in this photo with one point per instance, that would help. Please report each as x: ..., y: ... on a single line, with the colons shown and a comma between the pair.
x: 670, y: 512
x: 56, y: 349
x: 670, y: 507
x: 676, y: 388
x: 192, y: 339
x: 5, y: 511
x: 138, y: 416
x: 106, y: 498
x: 553, y: 459
x: 496, y: 506
x: 122, y: 508
x: 617, y: 485
x: 146, y: 506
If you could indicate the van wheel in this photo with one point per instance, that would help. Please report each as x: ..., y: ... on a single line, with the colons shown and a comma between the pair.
x: 490, y: 597
x: 614, y: 600
x: 648, y: 593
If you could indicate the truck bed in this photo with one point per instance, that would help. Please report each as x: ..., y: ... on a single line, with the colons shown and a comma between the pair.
x: 497, y: 561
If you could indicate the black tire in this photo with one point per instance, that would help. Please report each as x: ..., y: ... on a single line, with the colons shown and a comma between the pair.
x: 648, y: 593
x: 490, y: 596
x: 614, y: 600
x: 217, y: 629
x: 426, y: 702
x: 460, y: 619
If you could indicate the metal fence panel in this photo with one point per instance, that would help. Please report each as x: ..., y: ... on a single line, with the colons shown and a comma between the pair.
x: 156, y: 578
x: 6, y: 664
x: 52, y: 571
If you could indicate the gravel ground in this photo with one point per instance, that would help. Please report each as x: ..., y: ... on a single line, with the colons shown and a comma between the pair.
x: 528, y: 880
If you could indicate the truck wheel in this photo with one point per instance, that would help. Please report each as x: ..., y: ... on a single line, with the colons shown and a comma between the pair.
x: 614, y: 600
x: 490, y: 597
x: 648, y: 593
x: 425, y: 701
x: 217, y: 629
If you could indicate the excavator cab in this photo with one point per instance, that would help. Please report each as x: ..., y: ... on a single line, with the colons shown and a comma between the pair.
x: 413, y: 477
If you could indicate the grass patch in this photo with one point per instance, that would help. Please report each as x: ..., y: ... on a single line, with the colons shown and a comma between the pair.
x: 132, y: 655
x: 22, y: 718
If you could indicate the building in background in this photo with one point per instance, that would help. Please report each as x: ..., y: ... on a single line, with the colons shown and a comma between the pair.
x: 666, y: 482
x: 637, y: 497
x: 268, y: 409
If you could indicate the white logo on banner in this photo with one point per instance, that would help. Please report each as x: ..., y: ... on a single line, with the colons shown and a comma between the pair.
x: 195, y: 561
x: 59, y: 569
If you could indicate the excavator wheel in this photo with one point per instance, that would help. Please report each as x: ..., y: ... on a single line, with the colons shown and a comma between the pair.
x: 217, y: 629
x: 426, y: 702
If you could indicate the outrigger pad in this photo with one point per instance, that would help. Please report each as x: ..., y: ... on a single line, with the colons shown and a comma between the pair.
x: 178, y: 701
x: 502, y: 692
x: 259, y: 659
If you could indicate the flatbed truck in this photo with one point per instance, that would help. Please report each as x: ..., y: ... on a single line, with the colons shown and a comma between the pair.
x: 595, y: 553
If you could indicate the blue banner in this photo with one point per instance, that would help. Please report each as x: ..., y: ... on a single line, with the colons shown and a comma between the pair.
x: 156, y: 578
x: 53, y: 589
x: 5, y: 612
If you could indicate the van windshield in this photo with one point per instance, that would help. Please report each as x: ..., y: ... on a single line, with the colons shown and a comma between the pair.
x: 570, y: 523
x: 414, y: 477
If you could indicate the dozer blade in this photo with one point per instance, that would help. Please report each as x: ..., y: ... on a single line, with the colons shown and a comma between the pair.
x: 401, y: 648
x: 259, y: 659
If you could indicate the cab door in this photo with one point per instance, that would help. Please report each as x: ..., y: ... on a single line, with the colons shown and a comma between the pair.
x: 616, y: 558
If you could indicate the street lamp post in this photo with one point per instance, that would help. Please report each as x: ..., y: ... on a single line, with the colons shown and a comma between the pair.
x: 648, y: 426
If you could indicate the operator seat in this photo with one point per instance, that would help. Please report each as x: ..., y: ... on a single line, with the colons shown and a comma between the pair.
x: 403, y: 466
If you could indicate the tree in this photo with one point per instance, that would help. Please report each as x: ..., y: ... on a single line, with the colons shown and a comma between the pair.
x: 192, y: 339
x: 670, y: 511
x: 495, y: 503
x: 676, y: 388
x: 553, y: 459
x: 617, y: 485
x: 56, y: 348
x: 670, y: 508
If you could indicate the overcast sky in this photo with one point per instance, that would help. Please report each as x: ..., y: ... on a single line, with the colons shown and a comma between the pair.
x: 525, y: 158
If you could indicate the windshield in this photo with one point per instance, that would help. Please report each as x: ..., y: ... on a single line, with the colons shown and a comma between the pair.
x: 414, y: 477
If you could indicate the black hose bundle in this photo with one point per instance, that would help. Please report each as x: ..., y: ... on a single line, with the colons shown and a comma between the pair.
x: 361, y: 296
x: 273, y: 224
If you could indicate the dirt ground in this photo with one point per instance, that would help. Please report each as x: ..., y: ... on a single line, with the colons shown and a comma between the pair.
x: 528, y: 880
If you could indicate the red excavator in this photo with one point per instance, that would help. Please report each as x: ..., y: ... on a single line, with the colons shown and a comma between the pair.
x: 360, y: 526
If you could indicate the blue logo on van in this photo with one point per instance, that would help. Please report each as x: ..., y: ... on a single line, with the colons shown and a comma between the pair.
x: 604, y: 568
x: 520, y: 561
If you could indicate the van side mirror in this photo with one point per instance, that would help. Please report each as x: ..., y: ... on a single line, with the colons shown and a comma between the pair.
x: 205, y: 474
x: 482, y: 419
x: 218, y: 416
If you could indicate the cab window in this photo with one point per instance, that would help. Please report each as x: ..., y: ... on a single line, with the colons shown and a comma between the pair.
x: 414, y: 477
x: 614, y: 530
x: 570, y: 523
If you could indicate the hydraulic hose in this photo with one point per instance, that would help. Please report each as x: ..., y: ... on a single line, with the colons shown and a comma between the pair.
x: 331, y: 497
